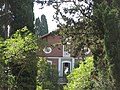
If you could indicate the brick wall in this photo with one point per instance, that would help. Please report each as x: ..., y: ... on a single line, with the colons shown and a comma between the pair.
x: 55, y: 43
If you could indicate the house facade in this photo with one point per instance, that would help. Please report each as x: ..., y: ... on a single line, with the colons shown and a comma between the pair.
x: 55, y: 54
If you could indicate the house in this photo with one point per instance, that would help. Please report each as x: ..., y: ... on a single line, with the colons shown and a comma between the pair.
x: 56, y: 54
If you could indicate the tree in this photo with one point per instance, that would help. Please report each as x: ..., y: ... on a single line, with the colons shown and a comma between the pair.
x: 47, y: 76
x: 3, y: 69
x: 44, y: 25
x: 20, y: 57
x: 22, y: 15
x: 82, y: 78
x: 5, y: 18
x: 107, y: 13
x: 96, y: 25
x: 15, y: 15
x: 97, y: 22
x: 37, y: 27
x: 41, y: 27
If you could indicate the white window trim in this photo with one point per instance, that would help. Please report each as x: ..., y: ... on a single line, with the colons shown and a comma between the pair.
x: 65, y: 52
x: 47, y: 52
x: 73, y: 62
x: 49, y: 62
x: 59, y: 66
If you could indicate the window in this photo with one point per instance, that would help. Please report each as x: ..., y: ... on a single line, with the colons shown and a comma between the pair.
x: 47, y: 50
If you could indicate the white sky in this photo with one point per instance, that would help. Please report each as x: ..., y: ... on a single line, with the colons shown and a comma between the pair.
x: 48, y: 11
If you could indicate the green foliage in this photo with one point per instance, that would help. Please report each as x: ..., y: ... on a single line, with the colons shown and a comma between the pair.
x: 81, y: 78
x: 37, y: 27
x: 39, y: 88
x: 107, y: 15
x: 47, y: 76
x: 22, y: 41
x: 96, y: 25
x: 16, y: 14
x: 41, y: 27
x: 20, y: 57
x: 44, y: 25
x: 104, y: 81
x: 1, y: 47
x: 6, y: 78
x: 3, y: 75
x: 22, y: 15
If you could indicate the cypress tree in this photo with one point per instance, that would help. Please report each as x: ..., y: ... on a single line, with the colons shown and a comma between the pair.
x: 41, y: 26
x: 107, y: 19
x: 37, y: 27
x: 16, y: 14
x: 44, y: 25
x: 22, y: 14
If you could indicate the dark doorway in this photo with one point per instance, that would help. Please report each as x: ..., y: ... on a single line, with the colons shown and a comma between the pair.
x: 66, y: 68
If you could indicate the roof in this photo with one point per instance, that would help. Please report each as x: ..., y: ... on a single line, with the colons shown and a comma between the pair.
x: 53, y: 33
x: 45, y: 35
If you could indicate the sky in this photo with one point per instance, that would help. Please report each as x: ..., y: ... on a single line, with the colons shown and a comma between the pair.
x: 48, y: 11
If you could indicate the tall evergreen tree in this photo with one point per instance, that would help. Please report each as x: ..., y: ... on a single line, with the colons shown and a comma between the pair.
x: 38, y: 27
x: 41, y: 26
x: 16, y: 14
x: 22, y: 14
x: 44, y: 25
x: 107, y: 14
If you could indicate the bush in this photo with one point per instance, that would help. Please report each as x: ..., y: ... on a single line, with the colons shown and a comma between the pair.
x: 81, y: 78
x: 47, y: 75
